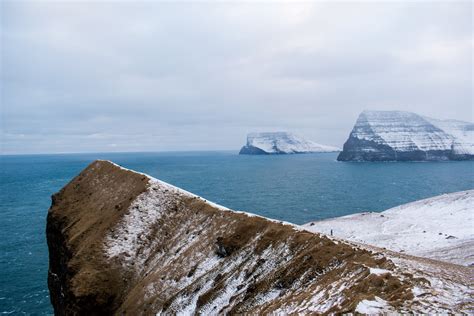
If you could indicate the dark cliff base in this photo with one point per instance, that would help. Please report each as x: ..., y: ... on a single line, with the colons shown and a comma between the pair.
x: 250, y: 150
x: 362, y: 150
x: 263, y: 255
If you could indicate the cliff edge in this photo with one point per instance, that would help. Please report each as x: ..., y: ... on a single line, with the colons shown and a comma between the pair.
x: 121, y: 242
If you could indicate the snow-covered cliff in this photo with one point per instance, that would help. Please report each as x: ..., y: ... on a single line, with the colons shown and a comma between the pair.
x: 462, y: 134
x: 121, y: 242
x: 281, y: 143
x: 441, y: 227
x: 397, y: 135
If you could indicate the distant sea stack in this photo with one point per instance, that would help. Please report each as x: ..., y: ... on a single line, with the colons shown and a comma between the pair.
x: 123, y: 243
x: 406, y: 136
x: 277, y: 143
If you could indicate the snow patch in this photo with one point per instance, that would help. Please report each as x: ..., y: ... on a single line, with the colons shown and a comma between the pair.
x: 439, y: 227
x: 376, y: 306
x: 378, y: 271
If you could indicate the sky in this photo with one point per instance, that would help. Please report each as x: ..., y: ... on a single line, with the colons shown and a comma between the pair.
x: 105, y: 76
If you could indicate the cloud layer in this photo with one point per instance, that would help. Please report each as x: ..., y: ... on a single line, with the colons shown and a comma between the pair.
x: 125, y: 76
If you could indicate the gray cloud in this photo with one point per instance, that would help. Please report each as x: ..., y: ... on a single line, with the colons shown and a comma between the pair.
x: 122, y: 76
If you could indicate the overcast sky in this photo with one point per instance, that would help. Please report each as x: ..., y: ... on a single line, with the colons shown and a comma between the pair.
x: 147, y: 76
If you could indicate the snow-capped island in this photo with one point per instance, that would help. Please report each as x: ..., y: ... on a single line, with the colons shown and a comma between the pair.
x: 406, y: 136
x: 271, y: 143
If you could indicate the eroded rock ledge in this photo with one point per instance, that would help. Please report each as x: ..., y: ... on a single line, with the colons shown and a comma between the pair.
x: 122, y: 242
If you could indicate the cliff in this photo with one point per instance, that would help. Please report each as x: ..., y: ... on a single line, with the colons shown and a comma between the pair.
x: 281, y: 143
x: 121, y: 242
x: 405, y: 136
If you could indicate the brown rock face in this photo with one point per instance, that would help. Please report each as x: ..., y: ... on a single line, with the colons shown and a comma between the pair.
x: 123, y: 243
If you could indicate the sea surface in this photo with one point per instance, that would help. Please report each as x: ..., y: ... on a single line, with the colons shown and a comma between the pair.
x: 294, y: 188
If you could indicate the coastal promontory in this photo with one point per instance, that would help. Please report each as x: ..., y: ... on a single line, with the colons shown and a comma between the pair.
x: 121, y: 242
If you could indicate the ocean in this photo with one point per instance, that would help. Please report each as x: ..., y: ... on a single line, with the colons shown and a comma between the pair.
x: 294, y: 188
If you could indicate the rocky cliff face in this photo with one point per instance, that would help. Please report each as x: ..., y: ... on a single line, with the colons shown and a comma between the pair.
x: 281, y: 143
x: 405, y: 136
x: 123, y: 243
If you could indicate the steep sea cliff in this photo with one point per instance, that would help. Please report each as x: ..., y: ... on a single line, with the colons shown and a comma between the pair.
x: 405, y: 136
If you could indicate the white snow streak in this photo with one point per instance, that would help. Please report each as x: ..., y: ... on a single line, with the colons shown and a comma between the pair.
x: 376, y: 306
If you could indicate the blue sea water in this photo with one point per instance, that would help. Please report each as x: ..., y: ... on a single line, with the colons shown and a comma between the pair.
x: 294, y: 188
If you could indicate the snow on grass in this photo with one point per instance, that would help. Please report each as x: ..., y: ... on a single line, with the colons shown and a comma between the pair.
x: 186, y: 305
x: 126, y: 241
x: 158, y: 185
x: 222, y: 300
x: 426, y: 228
x: 378, y: 271
x: 322, y: 298
x: 369, y: 307
x: 236, y: 284
x: 440, y: 286
x: 126, y: 238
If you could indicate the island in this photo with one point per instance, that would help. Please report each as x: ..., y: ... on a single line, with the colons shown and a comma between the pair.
x: 406, y: 136
x: 278, y: 143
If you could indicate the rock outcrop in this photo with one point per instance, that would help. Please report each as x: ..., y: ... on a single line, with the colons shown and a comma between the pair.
x: 121, y: 242
x: 405, y: 136
x: 272, y: 143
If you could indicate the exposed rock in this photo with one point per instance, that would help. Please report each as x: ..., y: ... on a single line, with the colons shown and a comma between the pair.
x: 123, y: 243
x: 405, y: 136
x: 281, y: 143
